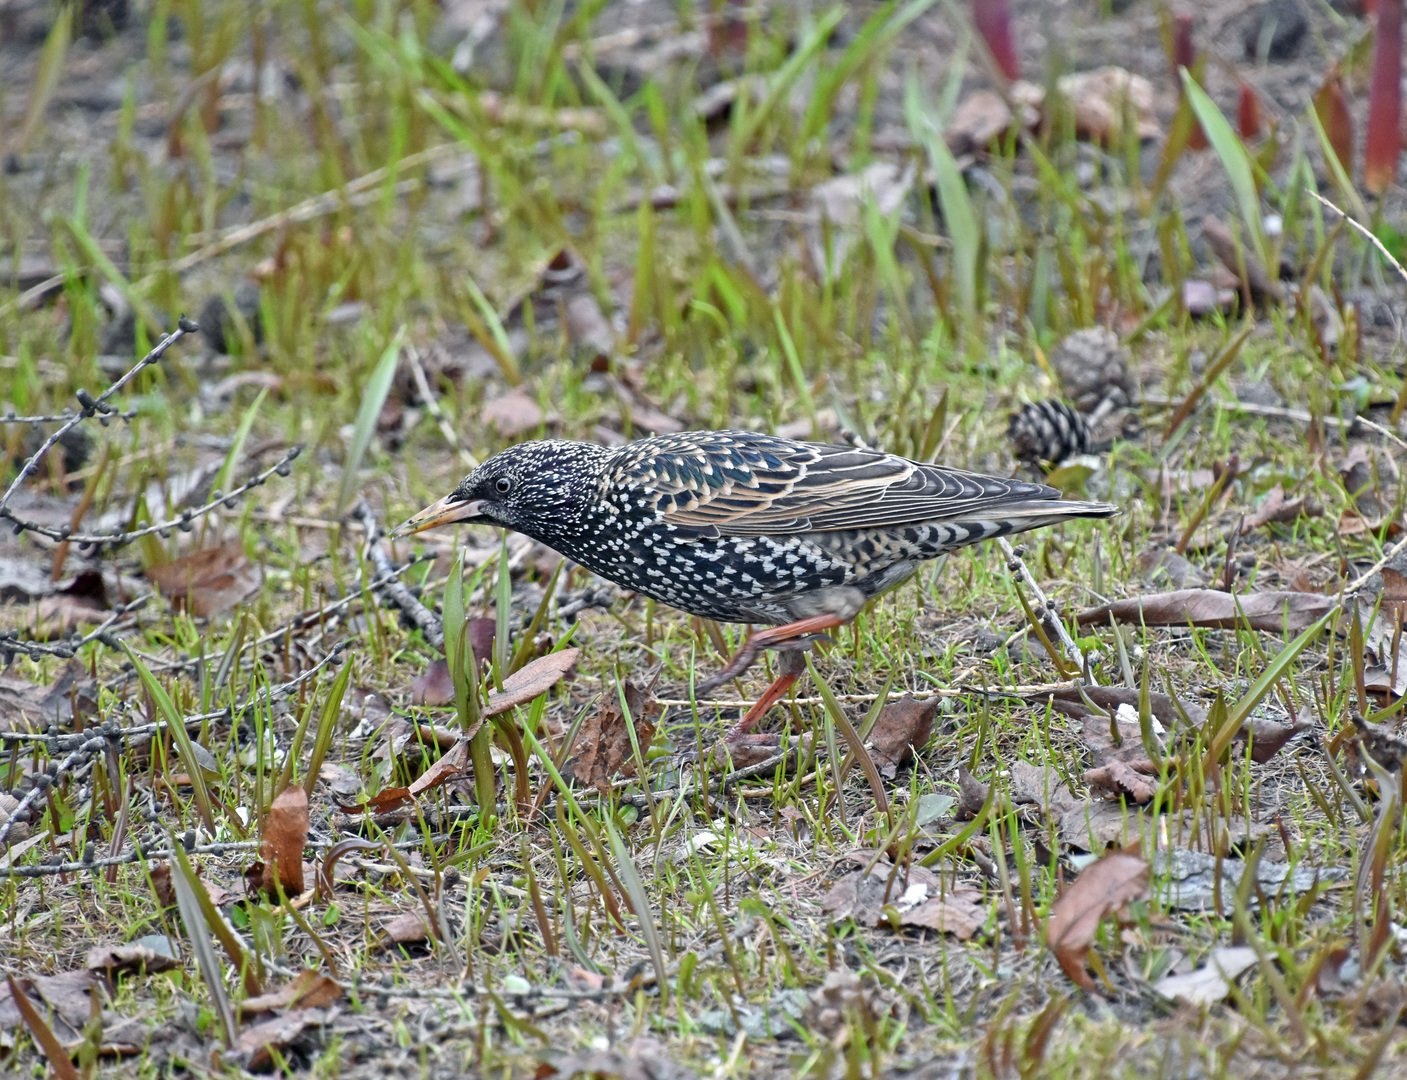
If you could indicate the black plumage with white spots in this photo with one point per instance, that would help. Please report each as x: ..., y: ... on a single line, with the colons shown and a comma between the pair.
x: 745, y: 527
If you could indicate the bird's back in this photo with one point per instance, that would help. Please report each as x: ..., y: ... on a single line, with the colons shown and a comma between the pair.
x: 739, y: 526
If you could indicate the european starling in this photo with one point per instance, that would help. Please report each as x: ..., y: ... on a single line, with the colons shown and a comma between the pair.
x: 743, y: 527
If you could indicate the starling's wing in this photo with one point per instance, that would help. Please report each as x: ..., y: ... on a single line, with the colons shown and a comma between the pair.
x: 747, y: 484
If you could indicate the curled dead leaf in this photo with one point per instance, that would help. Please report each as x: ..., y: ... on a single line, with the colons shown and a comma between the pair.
x: 902, y: 728
x: 209, y: 581
x: 603, y: 747
x: 1102, y: 888
x: 285, y: 834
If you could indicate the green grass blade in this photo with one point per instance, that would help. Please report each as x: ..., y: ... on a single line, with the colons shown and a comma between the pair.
x: 1235, y: 159
x: 373, y: 398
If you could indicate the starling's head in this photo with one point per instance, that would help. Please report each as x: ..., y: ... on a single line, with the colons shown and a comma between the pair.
x: 534, y: 488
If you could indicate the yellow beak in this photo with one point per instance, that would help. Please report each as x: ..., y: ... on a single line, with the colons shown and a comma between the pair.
x: 447, y: 511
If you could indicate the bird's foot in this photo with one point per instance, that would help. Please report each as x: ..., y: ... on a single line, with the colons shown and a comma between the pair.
x: 789, y: 639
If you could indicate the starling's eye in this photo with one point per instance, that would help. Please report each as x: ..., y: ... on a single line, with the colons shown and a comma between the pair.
x: 503, y: 485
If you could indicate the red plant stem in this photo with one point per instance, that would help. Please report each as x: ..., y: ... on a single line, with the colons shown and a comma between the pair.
x: 1384, y: 141
x: 993, y: 21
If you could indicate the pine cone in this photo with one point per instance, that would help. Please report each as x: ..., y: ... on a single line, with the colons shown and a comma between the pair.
x: 1094, y: 370
x: 1048, y: 431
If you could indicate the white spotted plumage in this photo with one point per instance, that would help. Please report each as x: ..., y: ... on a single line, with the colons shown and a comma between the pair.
x: 744, y: 527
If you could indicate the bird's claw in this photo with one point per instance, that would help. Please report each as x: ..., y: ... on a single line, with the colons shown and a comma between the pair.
x: 747, y: 656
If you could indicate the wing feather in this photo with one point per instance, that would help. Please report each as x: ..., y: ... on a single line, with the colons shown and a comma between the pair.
x: 748, y: 484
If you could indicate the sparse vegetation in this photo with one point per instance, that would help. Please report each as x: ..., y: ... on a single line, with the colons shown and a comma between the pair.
x: 1126, y: 800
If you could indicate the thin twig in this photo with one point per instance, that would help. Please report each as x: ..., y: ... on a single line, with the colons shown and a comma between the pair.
x: 1366, y: 233
x: 91, y: 406
x: 59, y: 743
x: 89, y: 748
x: 428, y: 623
x: 1050, y: 622
x: 893, y: 695
x: 184, y: 521
x: 432, y: 406
x: 10, y: 642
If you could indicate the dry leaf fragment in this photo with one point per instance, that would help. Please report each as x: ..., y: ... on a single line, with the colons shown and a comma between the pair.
x: 1212, y: 981
x: 454, y: 762
x: 529, y: 681
x: 1135, y: 780
x: 256, y: 1042
x: 408, y: 928
x: 1270, y: 611
x: 281, y: 849
x: 1105, y: 99
x: 603, y: 747
x: 902, y: 728
x: 918, y: 898
x: 209, y: 581
x: 307, y: 990
x: 147, y: 955
x: 1102, y: 888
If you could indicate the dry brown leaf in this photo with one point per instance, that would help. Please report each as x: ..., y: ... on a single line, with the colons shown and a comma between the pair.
x: 285, y: 834
x: 1164, y: 566
x: 918, y: 898
x: 454, y: 762
x: 1274, y: 612
x: 1276, y: 508
x: 209, y: 581
x: 603, y: 748
x: 256, y: 1042
x: 981, y: 118
x: 1103, y: 887
x: 513, y: 414
x: 408, y: 928
x: 902, y: 728
x: 972, y: 795
x: 529, y: 681
x: 433, y: 686
x: 148, y: 955
x: 1238, y: 259
x: 1097, y: 824
x: 307, y: 990
x: 1136, y: 780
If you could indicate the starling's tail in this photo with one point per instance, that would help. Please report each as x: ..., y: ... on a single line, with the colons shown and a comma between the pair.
x: 1037, y: 513
x: 1003, y: 519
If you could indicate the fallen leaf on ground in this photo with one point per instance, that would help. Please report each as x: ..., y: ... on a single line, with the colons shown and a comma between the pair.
x: 603, y: 748
x: 147, y: 955
x: 1102, y: 888
x: 972, y: 795
x: 307, y: 990
x: 918, y: 898
x: 1276, y: 508
x: 285, y: 834
x: 902, y: 728
x: 1271, y: 611
x: 532, y: 679
x: 1103, y: 100
x: 1212, y: 981
x: 408, y: 928
x: 209, y: 581
x: 433, y: 686
x: 1137, y: 780
x: 454, y: 762
x: 256, y: 1042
